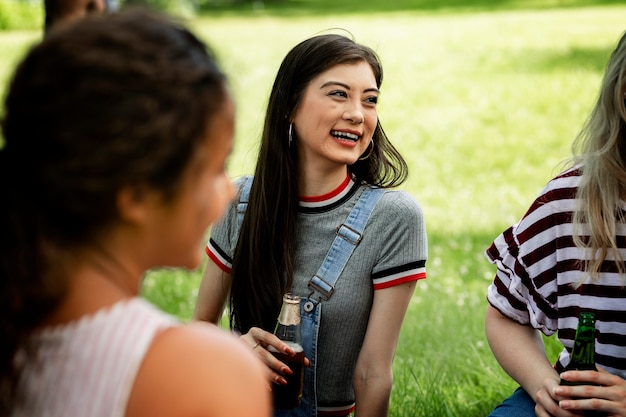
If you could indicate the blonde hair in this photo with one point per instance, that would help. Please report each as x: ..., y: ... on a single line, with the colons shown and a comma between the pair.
x: 600, y: 150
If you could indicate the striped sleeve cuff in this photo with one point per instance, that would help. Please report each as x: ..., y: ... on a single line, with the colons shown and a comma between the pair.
x: 399, y: 275
x: 218, y: 256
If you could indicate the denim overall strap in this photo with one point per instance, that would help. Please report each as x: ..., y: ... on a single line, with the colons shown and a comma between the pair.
x: 243, y: 201
x: 348, y: 236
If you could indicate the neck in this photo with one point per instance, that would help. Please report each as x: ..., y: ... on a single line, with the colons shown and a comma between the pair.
x: 94, y: 283
x: 321, y: 182
x: 86, y: 295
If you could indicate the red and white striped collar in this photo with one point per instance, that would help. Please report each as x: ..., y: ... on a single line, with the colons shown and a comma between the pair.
x: 329, y: 198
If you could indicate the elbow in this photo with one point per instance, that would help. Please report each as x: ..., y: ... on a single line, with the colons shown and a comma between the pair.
x: 380, y: 380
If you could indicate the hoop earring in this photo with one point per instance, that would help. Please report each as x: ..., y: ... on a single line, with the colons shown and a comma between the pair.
x: 363, y: 158
x: 290, y: 134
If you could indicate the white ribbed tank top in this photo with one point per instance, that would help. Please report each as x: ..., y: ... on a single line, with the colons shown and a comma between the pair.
x: 87, y: 368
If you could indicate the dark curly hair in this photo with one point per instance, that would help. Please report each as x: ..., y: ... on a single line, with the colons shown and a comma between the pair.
x: 103, y: 103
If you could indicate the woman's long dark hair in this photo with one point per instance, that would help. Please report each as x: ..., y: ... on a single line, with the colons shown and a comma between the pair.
x: 264, y: 256
x: 102, y: 104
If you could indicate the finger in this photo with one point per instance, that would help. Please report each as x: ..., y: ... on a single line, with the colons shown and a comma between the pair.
x: 586, y: 404
x: 580, y: 376
x: 545, y: 405
x: 249, y: 340
x: 274, y: 378
x: 585, y: 391
x: 257, y: 335
x: 276, y: 364
x: 554, y: 412
x: 589, y: 377
x: 276, y: 367
x: 267, y: 345
x: 266, y: 339
x: 541, y: 412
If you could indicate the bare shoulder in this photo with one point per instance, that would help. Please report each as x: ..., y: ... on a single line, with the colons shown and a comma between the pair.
x: 199, y: 370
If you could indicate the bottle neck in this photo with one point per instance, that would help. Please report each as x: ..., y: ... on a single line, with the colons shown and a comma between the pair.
x: 288, y: 325
x: 583, y: 352
x: 289, y: 315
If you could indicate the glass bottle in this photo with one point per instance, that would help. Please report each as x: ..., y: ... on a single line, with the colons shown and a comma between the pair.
x: 289, y: 331
x: 583, y: 355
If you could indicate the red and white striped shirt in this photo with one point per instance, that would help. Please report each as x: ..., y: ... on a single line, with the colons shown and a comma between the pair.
x: 537, y: 265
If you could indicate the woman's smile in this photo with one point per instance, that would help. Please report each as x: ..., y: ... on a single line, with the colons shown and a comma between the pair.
x: 337, y: 117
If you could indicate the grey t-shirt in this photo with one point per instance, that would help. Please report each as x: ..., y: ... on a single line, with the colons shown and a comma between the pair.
x: 393, y: 251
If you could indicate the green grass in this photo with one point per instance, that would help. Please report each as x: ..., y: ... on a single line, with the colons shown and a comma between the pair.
x: 19, y: 14
x: 335, y: 7
x: 484, y: 104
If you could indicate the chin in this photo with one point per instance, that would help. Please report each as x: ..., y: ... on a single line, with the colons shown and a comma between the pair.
x: 352, y: 161
x: 346, y: 159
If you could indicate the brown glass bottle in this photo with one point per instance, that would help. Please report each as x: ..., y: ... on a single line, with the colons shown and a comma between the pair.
x: 288, y: 330
x: 583, y: 355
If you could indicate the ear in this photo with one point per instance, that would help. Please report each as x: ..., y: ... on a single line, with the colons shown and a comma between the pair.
x: 133, y: 204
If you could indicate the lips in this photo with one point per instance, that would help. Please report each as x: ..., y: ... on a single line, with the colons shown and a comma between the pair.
x: 345, y: 135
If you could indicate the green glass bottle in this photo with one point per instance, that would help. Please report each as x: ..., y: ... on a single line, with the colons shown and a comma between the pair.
x: 583, y: 355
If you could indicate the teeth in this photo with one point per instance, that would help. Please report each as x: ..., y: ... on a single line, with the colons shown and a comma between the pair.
x: 344, y: 135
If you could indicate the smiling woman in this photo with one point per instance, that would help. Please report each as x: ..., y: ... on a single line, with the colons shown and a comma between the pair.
x: 324, y: 162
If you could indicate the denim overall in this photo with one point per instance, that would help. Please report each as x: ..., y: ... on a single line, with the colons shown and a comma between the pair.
x: 322, y: 286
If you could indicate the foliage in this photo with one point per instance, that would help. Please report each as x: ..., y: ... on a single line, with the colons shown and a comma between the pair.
x: 20, y: 15
x: 174, y: 291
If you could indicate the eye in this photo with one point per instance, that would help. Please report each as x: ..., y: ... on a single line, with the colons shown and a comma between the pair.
x: 373, y: 100
x: 338, y: 93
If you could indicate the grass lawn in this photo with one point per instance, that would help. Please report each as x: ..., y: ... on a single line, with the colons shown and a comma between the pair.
x: 483, y: 103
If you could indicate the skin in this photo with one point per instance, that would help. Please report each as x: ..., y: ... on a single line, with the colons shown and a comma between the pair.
x: 69, y: 10
x: 195, y: 370
x: 341, y: 99
x: 541, y: 380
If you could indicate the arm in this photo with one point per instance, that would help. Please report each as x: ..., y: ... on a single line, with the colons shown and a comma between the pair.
x: 199, y: 371
x: 373, y: 375
x: 515, y: 346
x: 212, y: 294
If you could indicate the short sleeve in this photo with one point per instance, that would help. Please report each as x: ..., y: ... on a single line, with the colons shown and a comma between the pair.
x: 529, y: 257
x: 224, y: 234
x: 400, y: 228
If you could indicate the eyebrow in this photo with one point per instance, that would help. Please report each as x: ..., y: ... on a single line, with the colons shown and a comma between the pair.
x: 346, y: 86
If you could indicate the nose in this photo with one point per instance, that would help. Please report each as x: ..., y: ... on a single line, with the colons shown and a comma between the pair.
x: 354, y: 115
